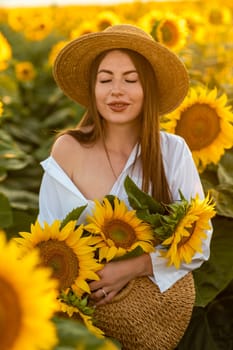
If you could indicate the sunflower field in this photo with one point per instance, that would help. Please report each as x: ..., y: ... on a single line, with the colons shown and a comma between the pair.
x: 33, y: 109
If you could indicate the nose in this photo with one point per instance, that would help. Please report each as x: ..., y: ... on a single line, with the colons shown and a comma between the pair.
x: 116, y: 88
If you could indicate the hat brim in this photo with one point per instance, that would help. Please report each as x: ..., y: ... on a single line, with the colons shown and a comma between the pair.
x: 72, y: 66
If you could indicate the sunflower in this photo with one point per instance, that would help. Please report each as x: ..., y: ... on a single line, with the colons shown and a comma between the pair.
x: 5, y: 52
x: 119, y: 228
x: 55, y: 50
x: 85, y: 319
x: 105, y: 19
x: 70, y: 255
x: 205, y: 122
x: 39, y: 26
x: 25, y: 71
x: 84, y: 27
x: 171, y: 31
x: 219, y: 16
x: 147, y: 21
x: 16, y: 19
x: 28, y: 300
x: 189, y: 232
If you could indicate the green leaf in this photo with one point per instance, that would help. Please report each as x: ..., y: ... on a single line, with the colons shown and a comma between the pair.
x: 216, y: 273
x: 153, y: 219
x: 8, y: 85
x: 23, y: 200
x: 111, y: 198
x: 198, y: 335
x: 57, y: 117
x: 223, y: 195
x: 6, y: 217
x: 11, y: 156
x: 72, y: 333
x: 73, y: 215
x: 209, y: 179
x: 220, y: 316
x: 225, y: 168
x: 22, y: 220
x: 141, y: 200
x: 3, y: 174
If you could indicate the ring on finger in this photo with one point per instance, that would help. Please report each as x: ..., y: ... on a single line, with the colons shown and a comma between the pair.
x: 104, y: 293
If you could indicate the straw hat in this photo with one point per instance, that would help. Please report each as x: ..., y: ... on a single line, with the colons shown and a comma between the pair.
x: 72, y: 65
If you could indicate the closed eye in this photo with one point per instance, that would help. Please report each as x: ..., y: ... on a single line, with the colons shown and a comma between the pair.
x: 105, y: 81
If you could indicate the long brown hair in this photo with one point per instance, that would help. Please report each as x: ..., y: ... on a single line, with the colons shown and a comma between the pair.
x: 151, y: 159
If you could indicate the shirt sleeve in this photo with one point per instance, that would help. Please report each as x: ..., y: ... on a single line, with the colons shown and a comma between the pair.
x: 50, y: 201
x: 182, y: 175
x: 58, y: 195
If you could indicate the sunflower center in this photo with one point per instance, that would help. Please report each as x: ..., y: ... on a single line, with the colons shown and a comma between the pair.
x: 122, y: 234
x: 10, y: 315
x: 61, y: 258
x: 25, y: 72
x: 215, y: 17
x: 199, y: 125
x: 169, y: 33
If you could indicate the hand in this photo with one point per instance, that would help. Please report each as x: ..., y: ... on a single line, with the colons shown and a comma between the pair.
x: 115, y: 275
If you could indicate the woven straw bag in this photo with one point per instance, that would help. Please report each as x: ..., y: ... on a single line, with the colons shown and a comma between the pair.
x: 140, y: 317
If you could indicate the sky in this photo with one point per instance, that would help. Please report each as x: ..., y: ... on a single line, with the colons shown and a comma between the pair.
x: 29, y: 3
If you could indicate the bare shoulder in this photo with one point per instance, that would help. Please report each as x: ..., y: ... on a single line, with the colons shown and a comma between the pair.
x: 66, y: 149
x: 63, y: 144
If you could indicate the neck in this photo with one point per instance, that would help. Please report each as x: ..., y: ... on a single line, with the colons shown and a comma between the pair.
x: 118, y: 143
x: 121, y: 139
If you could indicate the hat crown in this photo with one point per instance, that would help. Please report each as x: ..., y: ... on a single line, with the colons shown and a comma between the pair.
x: 128, y: 29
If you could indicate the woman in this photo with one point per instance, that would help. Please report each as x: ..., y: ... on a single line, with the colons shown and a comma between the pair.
x: 125, y: 80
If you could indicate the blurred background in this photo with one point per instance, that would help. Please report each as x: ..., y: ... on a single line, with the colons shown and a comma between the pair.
x: 33, y: 109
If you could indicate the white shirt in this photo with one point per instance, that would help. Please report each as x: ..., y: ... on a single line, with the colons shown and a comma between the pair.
x: 59, y: 195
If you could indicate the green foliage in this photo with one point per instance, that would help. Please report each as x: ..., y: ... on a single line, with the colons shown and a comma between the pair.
x: 216, y: 273
x: 211, y: 324
x: 198, y: 335
x: 73, y: 215
x: 33, y: 112
x: 81, y: 304
x: 73, y: 334
x: 140, y: 200
x: 6, y: 217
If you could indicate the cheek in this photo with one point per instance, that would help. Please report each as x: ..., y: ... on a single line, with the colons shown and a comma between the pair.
x: 100, y: 93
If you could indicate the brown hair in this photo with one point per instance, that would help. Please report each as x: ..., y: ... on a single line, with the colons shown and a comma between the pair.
x: 151, y: 158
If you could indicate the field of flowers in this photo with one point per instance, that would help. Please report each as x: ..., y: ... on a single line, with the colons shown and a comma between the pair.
x: 33, y: 109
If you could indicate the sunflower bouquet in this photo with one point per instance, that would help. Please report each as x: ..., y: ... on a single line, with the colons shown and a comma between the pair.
x: 77, y: 251
x: 178, y: 228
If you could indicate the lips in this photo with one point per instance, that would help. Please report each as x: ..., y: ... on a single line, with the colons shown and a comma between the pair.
x: 118, y: 106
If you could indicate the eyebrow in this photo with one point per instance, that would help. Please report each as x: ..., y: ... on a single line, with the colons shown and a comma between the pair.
x: 110, y: 72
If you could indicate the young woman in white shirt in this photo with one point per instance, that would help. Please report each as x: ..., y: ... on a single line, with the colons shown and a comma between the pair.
x: 125, y: 80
